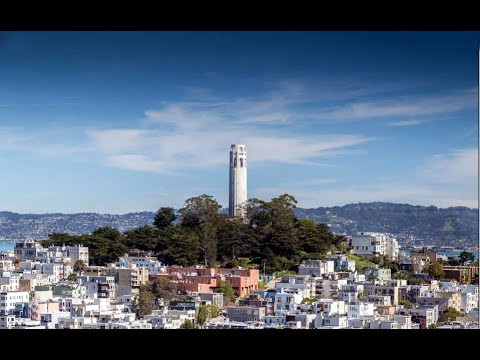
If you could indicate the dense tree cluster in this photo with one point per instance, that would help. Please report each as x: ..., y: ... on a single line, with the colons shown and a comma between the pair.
x: 199, y: 233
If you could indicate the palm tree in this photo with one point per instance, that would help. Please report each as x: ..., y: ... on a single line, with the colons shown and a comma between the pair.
x: 79, y: 266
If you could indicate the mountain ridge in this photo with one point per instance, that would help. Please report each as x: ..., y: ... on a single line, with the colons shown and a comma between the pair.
x: 411, y: 224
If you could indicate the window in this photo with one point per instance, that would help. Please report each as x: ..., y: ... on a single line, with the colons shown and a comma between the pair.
x: 235, y: 162
x: 241, y: 162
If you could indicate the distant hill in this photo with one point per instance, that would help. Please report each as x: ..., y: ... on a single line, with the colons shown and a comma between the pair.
x: 454, y: 226
x: 412, y: 225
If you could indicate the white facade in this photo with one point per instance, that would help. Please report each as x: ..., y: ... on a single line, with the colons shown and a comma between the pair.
x: 316, y: 267
x: 9, y: 301
x: 152, y: 264
x: 468, y: 301
x: 54, y: 271
x: 238, y: 180
x: 358, y: 310
x: 76, y: 253
x: 331, y: 322
x: 372, y: 244
x: 392, y: 248
x: 329, y: 307
x: 349, y: 292
x: 328, y: 289
x: 296, y: 283
x: 10, y: 283
x: 287, y: 301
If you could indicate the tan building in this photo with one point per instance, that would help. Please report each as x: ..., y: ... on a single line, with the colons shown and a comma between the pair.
x: 392, y: 288
x: 422, y: 258
x: 463, y: 274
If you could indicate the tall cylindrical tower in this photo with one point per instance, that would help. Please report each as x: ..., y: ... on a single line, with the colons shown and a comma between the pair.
x: 238, y: 180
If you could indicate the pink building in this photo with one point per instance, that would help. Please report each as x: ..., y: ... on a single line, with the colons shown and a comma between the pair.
x: 191, y: 279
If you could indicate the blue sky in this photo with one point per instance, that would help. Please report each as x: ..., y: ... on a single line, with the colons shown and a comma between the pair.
x: 131, y: 121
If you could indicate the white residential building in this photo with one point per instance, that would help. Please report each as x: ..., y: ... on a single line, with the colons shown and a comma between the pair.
x: 54, y: 271
x: 10, y: 283
x: 350, y: 292
x: 329, y: 307
x: 356, y: 311
x: 14, y: 303
x: 468, y: 299
x: 275, y: 321
x: 286, y: 301
x: 302, y: 283
x: 370, y: 244
x: 142, y: 260
x: 331, y: 322
x: 316, y: 267
x: 328, y: 288
x: 378, y: 274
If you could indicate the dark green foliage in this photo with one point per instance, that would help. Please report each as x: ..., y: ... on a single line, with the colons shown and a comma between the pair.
x: 402, y: 275
x: 433, y: 326
x: 435, y: 270
x: 164, y: 217
x: 450, y: 315
x: 188, y: 324
x: 271, y: 236
x: 226, y: 288
x: 79, y: 266
x: 466, y: 257
x: 206, y: 313
x: 415, y: 281
x: 162, y: 288
x: 198, y: 210
x: 144, y: 303
x: 407, y: 304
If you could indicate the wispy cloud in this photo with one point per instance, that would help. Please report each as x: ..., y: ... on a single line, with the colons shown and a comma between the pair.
x: 459, y: 166
x: 403, y: 106
x: 407, y: 123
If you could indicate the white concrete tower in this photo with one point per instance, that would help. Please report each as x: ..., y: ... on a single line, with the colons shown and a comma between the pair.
x: 238, y: 179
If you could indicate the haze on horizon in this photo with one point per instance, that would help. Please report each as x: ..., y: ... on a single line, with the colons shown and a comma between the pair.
x: 117, y: 122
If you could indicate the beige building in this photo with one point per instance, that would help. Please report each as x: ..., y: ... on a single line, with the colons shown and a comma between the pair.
x: 392, y: 288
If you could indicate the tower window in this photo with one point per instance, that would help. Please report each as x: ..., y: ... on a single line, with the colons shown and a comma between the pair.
x: 241, y: 149
x: 235, y: 162
x: 241, y: 162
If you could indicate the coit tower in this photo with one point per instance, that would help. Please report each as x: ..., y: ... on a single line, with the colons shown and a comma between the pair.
x: 238, y: 180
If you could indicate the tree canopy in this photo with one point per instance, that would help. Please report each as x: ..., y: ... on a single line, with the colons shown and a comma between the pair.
x: 271, y: 235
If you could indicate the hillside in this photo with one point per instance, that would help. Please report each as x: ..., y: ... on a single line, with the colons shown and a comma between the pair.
x: 455, y: 226
x: 413, y: 225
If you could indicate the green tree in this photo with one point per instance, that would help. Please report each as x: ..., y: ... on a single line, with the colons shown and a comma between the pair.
x: 188, y: 324
x: 143, y: 303
x: 164, y: 217
x: 402, y: 275
x: 208, y: 243
x: 79, y: 266
x: 145, y: 238
x: 72, y: 277
x: 206, y: 313
x: 162, y: 288
x: 407, y: 304
x: 435, y: 270
x: 309, y: 300
x: 362, y: 294
x: 183, y: 248
x: 433, y: 326
x: 466, y: 257
x: 225, y: 287
x: 198, y: 210
x: 450, y: 314
x: 412, y: 280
